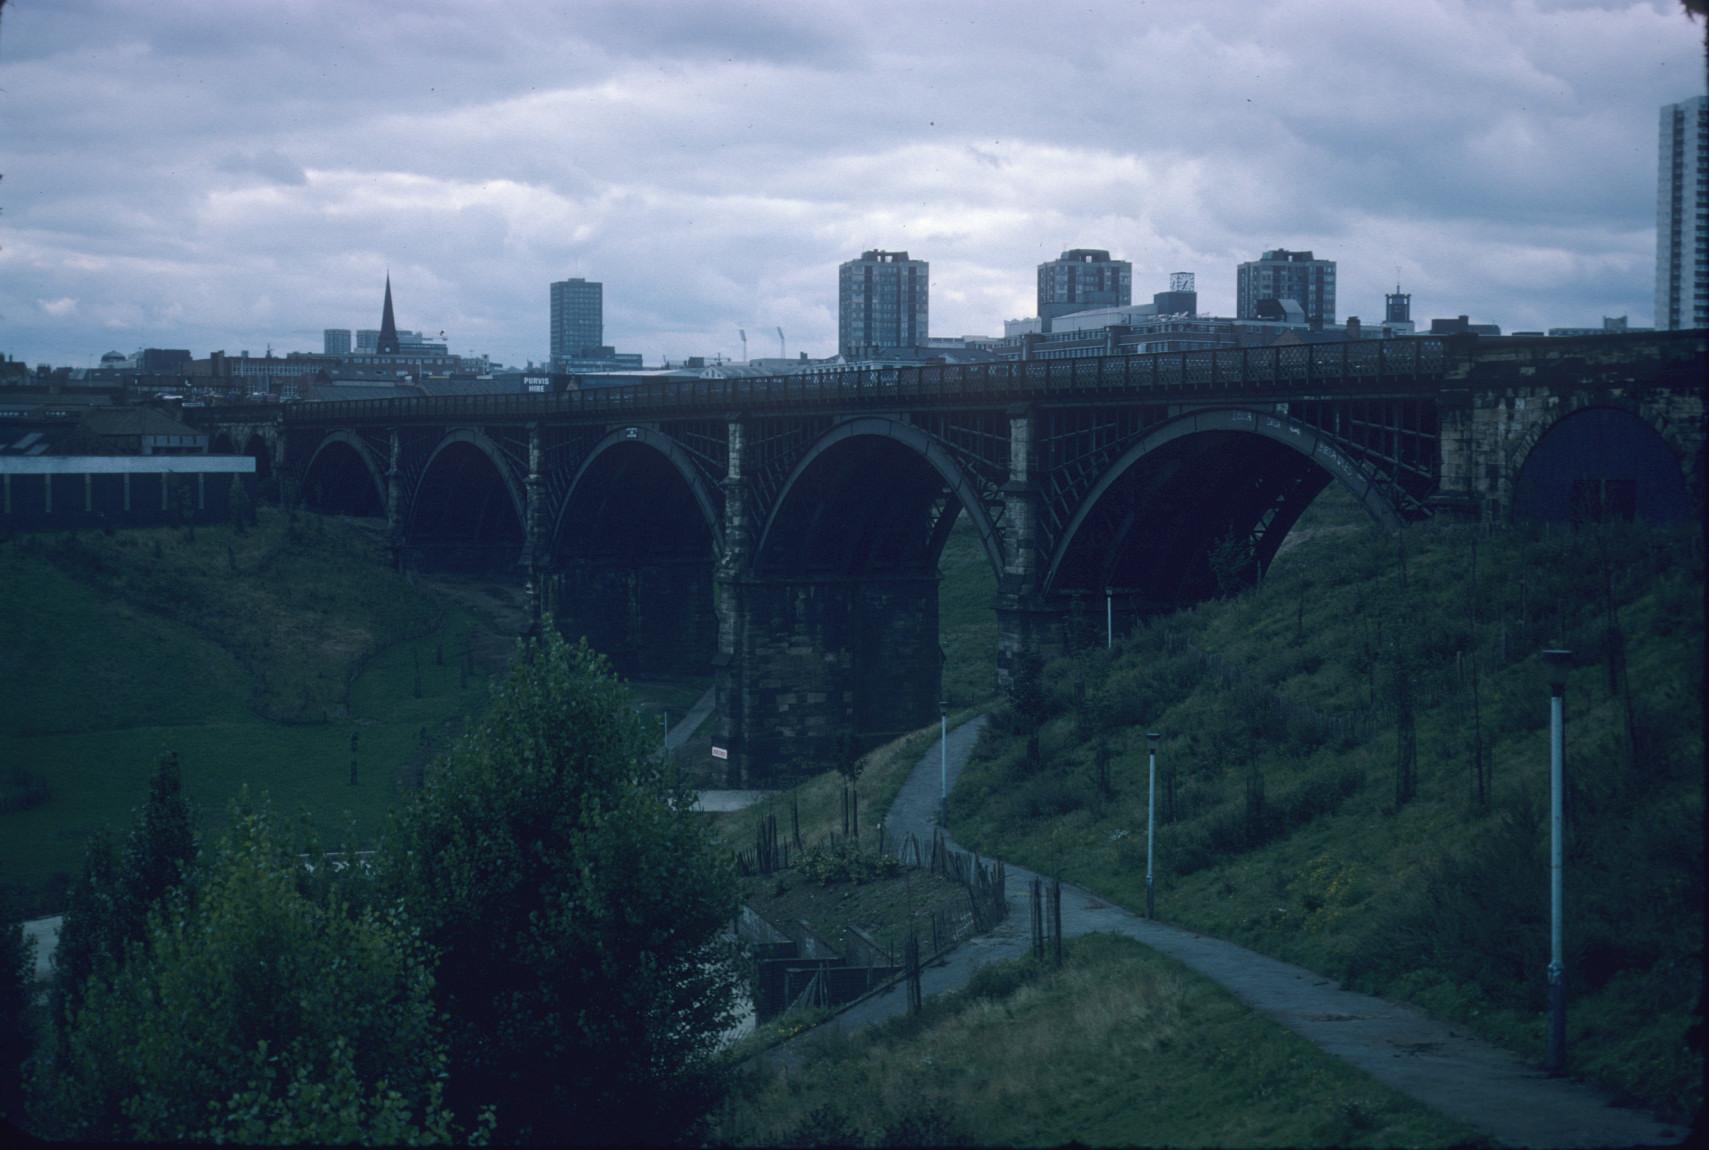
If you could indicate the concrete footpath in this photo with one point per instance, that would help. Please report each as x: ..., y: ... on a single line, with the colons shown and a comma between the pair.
x: 1466, y: 1079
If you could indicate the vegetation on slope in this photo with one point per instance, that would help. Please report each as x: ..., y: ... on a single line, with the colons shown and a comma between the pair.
x: 257, y: 655
x: 1353, y: 776
x: 1121, y: 1047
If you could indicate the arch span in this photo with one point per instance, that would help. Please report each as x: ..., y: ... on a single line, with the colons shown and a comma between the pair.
x: 1601, y: 461
x: 261, y: 451
x: 625, y: 440
x: 333, y: 478
x: 634, y: 552
x: 467, y: 511
x: 868, y: 502
x: 1151, y: 521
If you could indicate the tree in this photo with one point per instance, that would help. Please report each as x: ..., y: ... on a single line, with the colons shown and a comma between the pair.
x: 256, y: 1013
x: 160, y: 850
x: 1028, y: 701
x: 576, y: 904
x: 241, y: 505
x: 88, y: 939
x: 17, y: 979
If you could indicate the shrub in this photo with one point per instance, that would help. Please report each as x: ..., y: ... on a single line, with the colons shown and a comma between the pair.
x: 576, y: 903
x: 255, y: 1014
x: 841, y: 860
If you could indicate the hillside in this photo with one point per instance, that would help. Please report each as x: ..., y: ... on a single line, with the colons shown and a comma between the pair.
x: 256, y: 656
x: 1301, y: 813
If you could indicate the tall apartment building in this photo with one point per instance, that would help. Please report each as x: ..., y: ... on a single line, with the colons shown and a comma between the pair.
x: 881, y: 302
x: 1081, y: 279
x: 336, y: 341
x: 578, y: 318
x: 1281, y: 275
x: 1682, y: 217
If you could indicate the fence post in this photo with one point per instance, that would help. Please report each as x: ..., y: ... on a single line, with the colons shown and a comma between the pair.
x: 911, y: 960
x: 1038, y: 918
x: 1056, y: 916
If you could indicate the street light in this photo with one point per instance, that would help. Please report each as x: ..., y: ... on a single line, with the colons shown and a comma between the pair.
x: 1558, y: 662
x: 943, y: 762
x: 1109, y: 618
x: 1151, y: 737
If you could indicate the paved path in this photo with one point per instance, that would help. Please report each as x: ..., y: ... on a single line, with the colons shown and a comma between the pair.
x: 1485, y: 1087
x: 690, y: 723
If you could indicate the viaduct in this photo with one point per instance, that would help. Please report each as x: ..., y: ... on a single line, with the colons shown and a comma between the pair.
x: 785, y: 532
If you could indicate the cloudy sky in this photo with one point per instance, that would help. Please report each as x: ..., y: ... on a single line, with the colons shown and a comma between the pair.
x: 228, y: 174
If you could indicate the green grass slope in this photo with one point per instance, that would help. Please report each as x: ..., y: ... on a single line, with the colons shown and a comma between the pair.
x: 1120, y: 1047
x: 255, y: 656
x: 1303, y: 815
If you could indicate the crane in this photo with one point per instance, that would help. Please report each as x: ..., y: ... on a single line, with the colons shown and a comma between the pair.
x: 744, y: 336
x: 781, y: 352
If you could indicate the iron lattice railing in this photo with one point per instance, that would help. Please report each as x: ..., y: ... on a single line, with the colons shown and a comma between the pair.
x: 1322, y: 369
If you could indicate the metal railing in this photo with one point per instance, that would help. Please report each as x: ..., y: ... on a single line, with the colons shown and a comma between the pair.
x: 1315, y: 368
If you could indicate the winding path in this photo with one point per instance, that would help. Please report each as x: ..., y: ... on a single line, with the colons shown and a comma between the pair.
x: 1464, y: 1078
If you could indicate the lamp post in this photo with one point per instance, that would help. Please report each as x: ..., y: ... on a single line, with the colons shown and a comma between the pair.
x: 1151, y: 737
x: 943, y: 762
x: 1558, y: 661
x: 1109, y: 618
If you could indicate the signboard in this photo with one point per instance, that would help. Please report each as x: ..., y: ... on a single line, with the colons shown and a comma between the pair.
x: 535, y: 383
x: 720, y: 753
x: 631, y: 433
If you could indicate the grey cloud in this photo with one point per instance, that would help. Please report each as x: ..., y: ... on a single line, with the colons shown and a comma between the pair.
x: 713, y: 164
x: 271, y: 164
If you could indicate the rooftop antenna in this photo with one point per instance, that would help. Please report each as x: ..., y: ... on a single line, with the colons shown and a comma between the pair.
x: 782, y: 353
x: 744, y: 336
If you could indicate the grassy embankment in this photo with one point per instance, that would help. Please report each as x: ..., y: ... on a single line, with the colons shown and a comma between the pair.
x: 1290, y: 830
x: 255, y: 656
x: 1120, y: 1047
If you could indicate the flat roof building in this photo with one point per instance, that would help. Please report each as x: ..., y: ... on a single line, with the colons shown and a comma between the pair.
x: 1682, y: 217
x: 1281, y: 275
x: 577, y: 319
x: 881, y: 302
x: 1081, y: 279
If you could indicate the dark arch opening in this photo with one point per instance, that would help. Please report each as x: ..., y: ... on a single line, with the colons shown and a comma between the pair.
x: 256, y: 448
x: 463, y: 517
x: 866, y: 506
x: 847, y: 578
x: 1202, y: 515
x: 221, y: 444
x: 633, y: 561
x: 340, y: 482
x: 1601, y: 463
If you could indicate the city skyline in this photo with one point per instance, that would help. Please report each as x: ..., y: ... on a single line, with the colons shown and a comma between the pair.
x: 244, y: 175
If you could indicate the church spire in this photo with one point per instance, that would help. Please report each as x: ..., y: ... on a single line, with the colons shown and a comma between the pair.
x: 388, y: 325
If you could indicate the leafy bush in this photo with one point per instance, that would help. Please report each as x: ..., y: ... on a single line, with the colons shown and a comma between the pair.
x: 254, y: 1013
x: 577, y: 904
x: 842, y: 860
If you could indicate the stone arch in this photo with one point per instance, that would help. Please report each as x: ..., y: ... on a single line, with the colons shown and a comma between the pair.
x: 483, y: 443
x: 257, y: 448
x: 1655, y: 467
x: 633, y: 554
x: 1305, y: 443
x: 466, y: 510
x: 673, y: 453
x: 351, y: 440
x: 906, y: 435
x: 1519, y: 451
